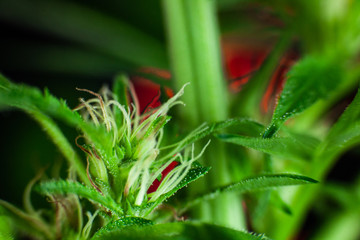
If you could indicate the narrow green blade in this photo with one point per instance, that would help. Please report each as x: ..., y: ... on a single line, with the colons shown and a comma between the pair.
x: 258, y: 183
x: 285, y: 147
x: 69, y: 187
x: 121, y: 224
x: 191, y: 176
x: 180, y: 231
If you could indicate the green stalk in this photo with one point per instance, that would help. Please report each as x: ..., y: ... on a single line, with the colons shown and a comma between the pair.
x: 181, y: 58
x: 195, y: 54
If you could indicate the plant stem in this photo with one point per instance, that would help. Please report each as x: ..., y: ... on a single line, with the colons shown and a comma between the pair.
x: 195, y: 53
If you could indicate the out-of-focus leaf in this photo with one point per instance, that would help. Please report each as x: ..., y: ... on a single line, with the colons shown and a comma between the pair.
x: 343, y: 194
x: 6, y: 229
x: 120, y: 224
x: 180, y: 231
x: 33, y: 225
x: 285, y: 147
x: 309, y: 80
x: 120, y: 89
x: 87, y: 26
x: 277, y: 201
x: 61, y: 59
x: 253, y: 184
x: 343, y: 225
x: 4, y: 83
x: 346, y: 131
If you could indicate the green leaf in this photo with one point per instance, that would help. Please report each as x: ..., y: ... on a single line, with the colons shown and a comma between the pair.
x: 277, y: 201
x: 258, y: 183
x: 155, y: 126
x: 346, y: 131
x: 120, y: 94
x: 121, y: 224
x: 191, y: 176
x: 311, y: 79
x: 31, y: 99
x: 31, y: 224
x: 6, y: 228
x: 299, y: 148
x: 120, y: 89
x: 206, y: 129
x: 180, y: 231
x: 69, y: 187
x: 4, y: 83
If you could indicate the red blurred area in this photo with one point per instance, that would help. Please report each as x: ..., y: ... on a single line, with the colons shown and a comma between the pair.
x: 278, y: 79
x: 241, y: 61
x: 148, y: 92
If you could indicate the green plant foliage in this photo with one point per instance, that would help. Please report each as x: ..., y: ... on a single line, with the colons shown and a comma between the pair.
x: 121, y: 224
x: 257, y: 183
x: 5, y: 228
x: 236, y: 124
x: 4, y: 83
x: 180, y: 231
x: 41, y: 106
x: 111, y: 190
x: 285, y: 147
x: 31, y: 99
x: 69, y: 187
x: 346, y: 131
x: 120, y: 89
x: 33, y: 225
x: 311, y: 79
x: 280, y: 203
x: 191, y: 176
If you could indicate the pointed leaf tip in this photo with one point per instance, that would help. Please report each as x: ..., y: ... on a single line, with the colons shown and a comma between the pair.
x: 309, y: 80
